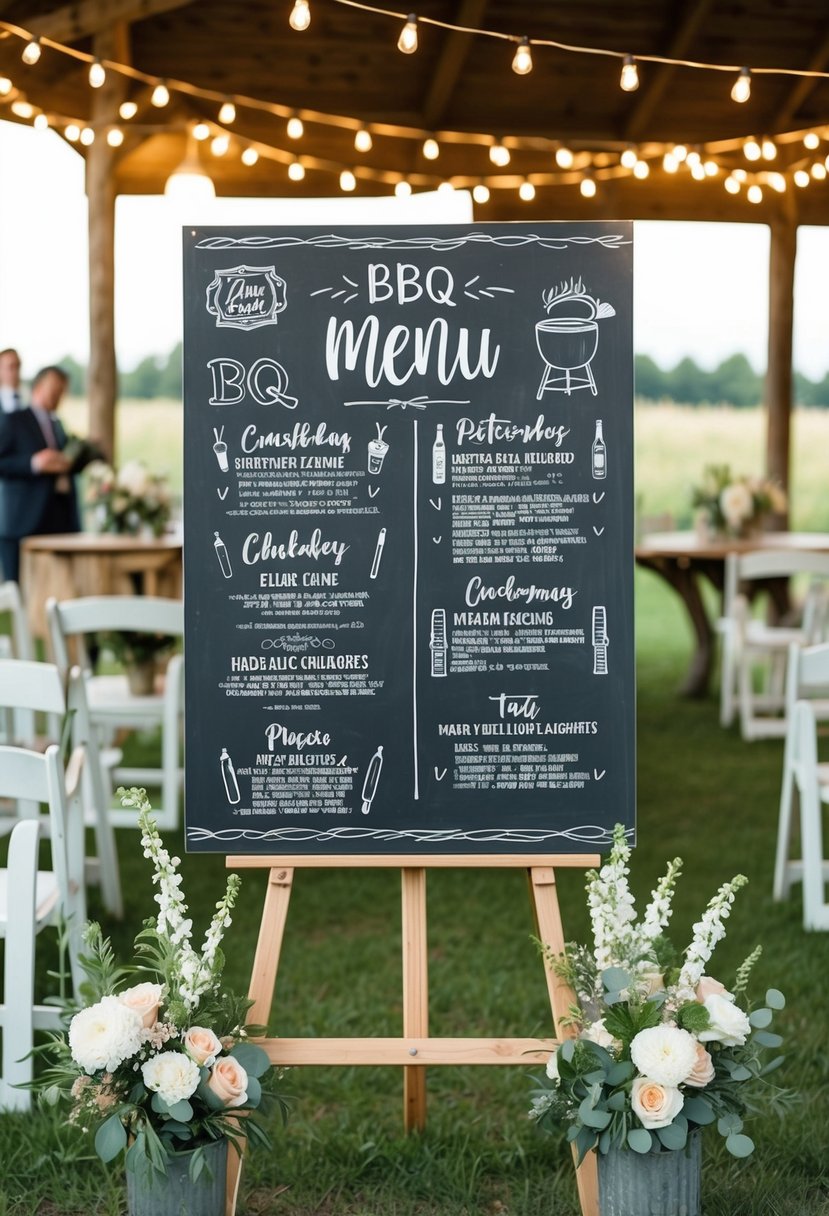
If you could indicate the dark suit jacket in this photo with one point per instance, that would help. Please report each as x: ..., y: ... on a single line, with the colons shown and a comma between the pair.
x: 29, y: 502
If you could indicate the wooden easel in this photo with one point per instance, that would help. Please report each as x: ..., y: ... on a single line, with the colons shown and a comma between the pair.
x: 415, y: 1050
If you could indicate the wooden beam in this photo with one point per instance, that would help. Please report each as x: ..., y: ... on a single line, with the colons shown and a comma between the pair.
x: 657, y: 79
x: 782, y: 256
x: 450, y: 64
x: 72, y: 22
x: 802, y: 87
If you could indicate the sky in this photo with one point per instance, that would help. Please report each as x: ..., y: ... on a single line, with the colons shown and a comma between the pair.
x: 699, y: 289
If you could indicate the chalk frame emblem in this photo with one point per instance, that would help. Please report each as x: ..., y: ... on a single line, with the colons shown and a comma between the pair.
x: 272, y: 301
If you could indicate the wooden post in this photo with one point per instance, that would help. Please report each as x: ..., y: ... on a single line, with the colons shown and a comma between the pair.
x: 415, y: 991
x: 782, y: 256
x: 102, y: 377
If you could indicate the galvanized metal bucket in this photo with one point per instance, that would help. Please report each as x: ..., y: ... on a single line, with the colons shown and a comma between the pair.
x: 651, y: 1184
x: 176, y: 1195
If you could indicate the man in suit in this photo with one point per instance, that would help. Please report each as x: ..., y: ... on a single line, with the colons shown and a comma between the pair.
x: 10, y: 398
x: 38, y: 493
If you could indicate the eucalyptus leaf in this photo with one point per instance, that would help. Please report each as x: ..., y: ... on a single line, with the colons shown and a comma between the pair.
x: 775, y: 999
x: 591, y: 1117
x: 110, y: 1139
x: 639, y: 1140
x: 767, y: 1038
x: 761, y: 1018
x: 615, y: 978
x: 771, y: 1066
x: 728, y: 1124
x: 567, y: 1050
x: 698, y: 1110
x: 740, y: 1146
x: 620, y: 1073
x: 740, y: 1073
x: 617, y: 1101
x: 253, y: 1059
x: 674, y: 1136
x: 584, y: 1142
x: 254, y: 1092
x: 181, y: 1111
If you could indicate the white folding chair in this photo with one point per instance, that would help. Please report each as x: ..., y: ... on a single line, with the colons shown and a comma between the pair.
x: 111, y: 704
x: 40, y: 688
x: 31, y: 899
x: 749, y: 643
x: 16, y: 644
x: 807, y: 686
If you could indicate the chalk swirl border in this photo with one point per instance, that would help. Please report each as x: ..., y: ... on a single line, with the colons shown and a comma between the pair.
x: 593, y: 834
x: 442, y: 244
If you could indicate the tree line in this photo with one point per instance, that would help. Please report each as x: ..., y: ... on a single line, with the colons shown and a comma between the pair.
x: 733, y: 382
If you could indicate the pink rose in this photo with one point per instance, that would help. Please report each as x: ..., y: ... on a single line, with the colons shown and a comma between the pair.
x: 656, y: 1105
x: 202, y: 1045
x: 708, y: 986
x: 702, y: 1073
x: 229, y: 1081
x: 145, y: 1000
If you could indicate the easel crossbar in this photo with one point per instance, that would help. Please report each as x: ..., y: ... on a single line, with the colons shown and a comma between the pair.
x: 403, y: 861
x: 408, y: 1052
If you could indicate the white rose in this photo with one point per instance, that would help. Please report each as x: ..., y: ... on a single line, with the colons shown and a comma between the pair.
x: 656, y: 1105
x: 104, y: 1035
x: 665, y: 1054
x: 598, y: 1033
x: 552, y: 1066
x: 729, y: 1025
x: 172, y: 1075
x: 133, y: 478
x: 736, y: 504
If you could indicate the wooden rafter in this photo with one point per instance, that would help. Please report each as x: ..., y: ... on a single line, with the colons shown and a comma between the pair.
x: 658, y: 80
x: 802, y: 87
x: 71, y: 22
x: 450, y: 64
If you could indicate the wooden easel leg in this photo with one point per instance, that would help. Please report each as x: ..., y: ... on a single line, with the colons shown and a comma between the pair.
x: 415, y: 991
x: 550, y: 931
x: 262, y: 984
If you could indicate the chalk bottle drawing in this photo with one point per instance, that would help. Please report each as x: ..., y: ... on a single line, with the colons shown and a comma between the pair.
x: 599, y: 453
x: 439, y: 458
x: 229, y: 778
x: 222, y: 556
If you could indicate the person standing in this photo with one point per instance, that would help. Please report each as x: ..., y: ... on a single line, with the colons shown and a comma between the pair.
x: 36, y: 486
x: 10, y: 397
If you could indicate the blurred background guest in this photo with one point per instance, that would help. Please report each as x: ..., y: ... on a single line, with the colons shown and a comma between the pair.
x: 10, y: 396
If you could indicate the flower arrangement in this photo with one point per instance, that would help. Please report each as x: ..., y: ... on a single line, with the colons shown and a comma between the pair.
x: 735, y: 506
x: 128, y: 502
x: 164, y: 1064
x: 663, y: 1048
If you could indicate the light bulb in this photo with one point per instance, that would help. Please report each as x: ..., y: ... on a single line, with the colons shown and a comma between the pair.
x: 87, y: 136
x: 526, y: 192
x: 363, y: 140
x: 801, y: 178
x: 811, y: 140
x: 698, y: 171
x: 499, y: 155
x: 23, y: 109
x: 128, y: 110
x: 587, y: 187
x: 522, y: 62
x: 219, y: 145
x: 754, y: 194
x: 348, y: 181
x: 629, y: 158
x: 402, y: 188
x: 564, y: 158
x: 670, y: 163
x: 777, y: 182
x: 227, y: 113
x: 446, y: 188
x: 41, y: 122
x: 5, y: 86
x: 250, y: 156
x: 295, y: 128
x: 201, y: 131
x: 115, y: 137
x: 300, y: 17
x: 641, y: 169
x: 629, y: 80
x: 296, y: 170
x: 751, y: 149
x: 480, y: 193
x: 407, y: 42
x: 711, y: 168
x: 160, y: 96
x: 431, y: 149
x: 732, y: 185
x: 739, y: 174
x: 97, y: 74
x: 31, y: 52
x: 826, y: 162
x: 680, y: 151
x: 72, y: 133
x: 189, y: 186
x: 693, y: 158
x: 741, y: 89
x: 769, y: 149
x: 818, y: 170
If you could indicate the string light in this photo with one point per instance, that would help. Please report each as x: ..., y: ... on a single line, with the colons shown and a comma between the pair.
x: 5, y: 86
x: 629, y: 80
x: 72, y: 132
x: 641, y: 170
x: 227, y: 114
x: 97, y: 74
x: 740, y: 175
x: 295, y: 128
x: 801, y: 178
x: 629, y: 157
x: 680, y: 152
x: 587, y: 187
x: 115, y: 137
x: 128, y: 110
x: 754, y: 194
x: 741, y: 89
x: 402, y: 189
x: 431, y: 149
x: 363, y: 141
x: 818, y: 171
x: 22, y: 109
x: 189, y: 186
x: 41, y: 122
x: 161, y: 95
x: 300, y: 17
x: 811, y: 140
x: 446, y: 188
x: 499, y: 155
x: 777, y: 182
x: 732, y: 185
x: 348, y: 181
x: 87, y: 137
x: 296, y: 171
x: 526, y: 192
x: 220, y: 144
x: 480, y: 193
x: 826, y: 162
x: 249, y: 157
x: 201, y: 131
x: 522, y: 63
x: 564, y: 158
x: 670, y: 163
x: 407, y: 42
x: 711, y: 168
x: 31, y: 52
x: 698, y: 171
x: 751, y: 149
x: 769, y: 149
x: 693, y: 158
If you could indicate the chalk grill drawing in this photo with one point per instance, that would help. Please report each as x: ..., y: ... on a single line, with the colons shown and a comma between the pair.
x: 569, y: 338
x: 222, y: 556
x: 437, y: 642
x: 220, y: 448
x: 377, y: 449
x: 609, y: 240
x: 590, y: 833
x: 600, y: 640
x: 229, y: 778
x: 378, y: 553
x: 246, y: 297
x: 375, y: 767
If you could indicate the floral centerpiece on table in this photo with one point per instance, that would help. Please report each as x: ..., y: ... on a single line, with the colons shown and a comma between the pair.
x: 129, y: 502
x: 159, y: 1061
x: 663, y: 1047
x: 734, y: 506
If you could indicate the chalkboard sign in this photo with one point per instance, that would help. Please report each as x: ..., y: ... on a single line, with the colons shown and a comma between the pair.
x: 408, y: 539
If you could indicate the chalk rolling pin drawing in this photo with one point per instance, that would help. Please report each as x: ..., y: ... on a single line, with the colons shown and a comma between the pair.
x: 375, y: 767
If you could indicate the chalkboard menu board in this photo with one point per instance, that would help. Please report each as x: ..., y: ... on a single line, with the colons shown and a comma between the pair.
x: 408, y: 539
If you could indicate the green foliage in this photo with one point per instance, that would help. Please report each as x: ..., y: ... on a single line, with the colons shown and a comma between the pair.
x: 693, y: 1017
x: 624, y: 1021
